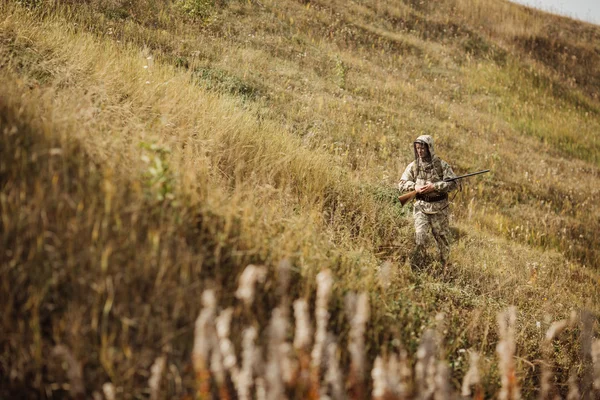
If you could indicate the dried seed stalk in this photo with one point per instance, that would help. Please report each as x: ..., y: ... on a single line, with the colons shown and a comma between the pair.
x: 425, y: 368
x: 442, y: 385
x: 472, y: 378
x: 547, y: 389
x: 109, y: 391
x: 156, y: 373
x: 225, y: 348
x: 379, y: 376
x: 391, y: 378
x: 333, y: 375
x: 204, y: 341
x: 324, y: 284
x: 275, y: 370
x: 247, y: 283
x: 506, y: 351
x: 74, y: 371
x: 302, y: 342
x: 249, y: 360
x: 357, y: 308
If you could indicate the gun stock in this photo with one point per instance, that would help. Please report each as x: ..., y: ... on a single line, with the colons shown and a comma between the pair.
x: 406, y: 197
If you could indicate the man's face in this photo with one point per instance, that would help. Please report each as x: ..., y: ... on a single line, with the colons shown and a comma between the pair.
x: 421, y: 150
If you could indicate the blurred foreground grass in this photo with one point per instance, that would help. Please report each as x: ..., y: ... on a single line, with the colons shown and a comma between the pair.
x: 151, y: 152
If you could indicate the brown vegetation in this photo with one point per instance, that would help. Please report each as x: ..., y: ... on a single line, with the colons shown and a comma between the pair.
x: 152, y: 149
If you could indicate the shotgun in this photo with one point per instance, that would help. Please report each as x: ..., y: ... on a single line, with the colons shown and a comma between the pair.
x: 406, y: 197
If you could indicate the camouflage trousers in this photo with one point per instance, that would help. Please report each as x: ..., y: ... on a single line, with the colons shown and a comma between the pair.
x: 439, y: 226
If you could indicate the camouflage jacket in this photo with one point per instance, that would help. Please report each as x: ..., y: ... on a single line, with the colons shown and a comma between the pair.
x: 419, y: 172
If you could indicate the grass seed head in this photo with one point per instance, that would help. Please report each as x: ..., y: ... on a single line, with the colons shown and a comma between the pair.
x: 358, y: 313
x: 324, y: 284
x: 442, y: 382
x: 425, y: 368
x: 74, y: 370
x: 506, y: 351
x: 223, y: 324
x: 204, y: 332
x: 472, y: 377
x: 109, y: 391
x: 156, y: 374
x: 303, y: 332
x: 555, y: 329
x: 249, y: 361
x: 378, y: 374
x: 247, y: 283
x: 333, y: 376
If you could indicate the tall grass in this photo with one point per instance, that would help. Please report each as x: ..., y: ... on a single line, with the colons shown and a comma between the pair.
x: 148, y: 159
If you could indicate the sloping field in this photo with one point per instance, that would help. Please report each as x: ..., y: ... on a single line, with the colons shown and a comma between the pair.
x: 152, y: 150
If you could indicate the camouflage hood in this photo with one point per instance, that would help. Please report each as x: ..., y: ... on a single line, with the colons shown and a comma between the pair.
x: 427, y: 140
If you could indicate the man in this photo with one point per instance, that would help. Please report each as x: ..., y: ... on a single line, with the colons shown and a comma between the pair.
x: 426, y: 175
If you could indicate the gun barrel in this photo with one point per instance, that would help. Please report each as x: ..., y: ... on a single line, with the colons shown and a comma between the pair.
x: 466, y: 175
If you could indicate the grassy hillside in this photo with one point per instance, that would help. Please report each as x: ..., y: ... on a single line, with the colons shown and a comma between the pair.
x: 153, y: 149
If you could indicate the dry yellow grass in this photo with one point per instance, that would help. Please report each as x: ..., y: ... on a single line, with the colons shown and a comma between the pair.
x: 148, y: 156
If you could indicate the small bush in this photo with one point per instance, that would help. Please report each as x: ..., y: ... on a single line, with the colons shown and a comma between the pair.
x: 221, y: 81
x: 197, y: 8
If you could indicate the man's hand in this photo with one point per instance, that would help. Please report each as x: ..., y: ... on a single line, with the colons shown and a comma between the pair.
x: 427, y: 188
